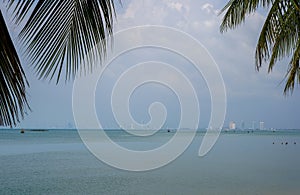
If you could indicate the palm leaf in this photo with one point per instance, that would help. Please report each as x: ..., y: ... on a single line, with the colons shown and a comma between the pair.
x: 237, y: 10
x: 279, y: 37
x: 267, y: 35
x: 13, y: 83
x: 287, y: 36
x: 293, y: 74
x: 57, y: 35
x: 60, y: 33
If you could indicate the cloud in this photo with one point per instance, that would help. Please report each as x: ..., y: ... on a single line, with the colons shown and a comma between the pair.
x: 209, y: 8
x: 233, y: 51
x: 176, y: 5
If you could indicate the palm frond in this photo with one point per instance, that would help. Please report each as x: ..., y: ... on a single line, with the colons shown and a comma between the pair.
x: 267, y: 36
x: 59, y: 33
x: 293, y: 74
x: 279, y: 37
x: 296, y: 4
x: 13, y: 83
x: 21, y: 8
x: 287, y: 36
x: 237, y: 10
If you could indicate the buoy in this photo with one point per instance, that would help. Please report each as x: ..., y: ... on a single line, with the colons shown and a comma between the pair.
x: 22, y: 131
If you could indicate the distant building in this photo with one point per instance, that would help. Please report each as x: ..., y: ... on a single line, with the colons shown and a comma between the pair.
x: 232, y: 125
x: 242, y: 125
x: 261, y: 125
x: 253, y: 125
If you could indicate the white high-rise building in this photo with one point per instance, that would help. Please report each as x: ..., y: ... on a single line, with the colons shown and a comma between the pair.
x: 261, y: 125
x: 232, y: 125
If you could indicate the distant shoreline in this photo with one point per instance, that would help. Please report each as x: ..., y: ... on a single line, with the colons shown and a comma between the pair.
x: 169, y: 130
x: 37, y: 130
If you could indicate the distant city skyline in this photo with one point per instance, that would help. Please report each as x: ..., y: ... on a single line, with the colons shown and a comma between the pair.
x: 242, y: 125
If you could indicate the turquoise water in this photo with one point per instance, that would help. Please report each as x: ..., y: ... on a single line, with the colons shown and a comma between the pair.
x: 57, y: 162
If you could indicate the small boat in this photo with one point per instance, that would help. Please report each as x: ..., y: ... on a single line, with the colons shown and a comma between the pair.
x: 22, y: 131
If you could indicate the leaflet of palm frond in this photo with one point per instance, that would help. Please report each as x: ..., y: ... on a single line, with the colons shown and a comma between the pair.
x: 60, y: 33
x: 237, y: 10
x: 13, y: 83
x: 287, y: 37
x: 20, y: 8
x: 267, y: 36
x: 274, y: 37
x: 293, y: 73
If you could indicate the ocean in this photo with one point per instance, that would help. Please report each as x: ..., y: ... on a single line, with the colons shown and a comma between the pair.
x: 241, y: 162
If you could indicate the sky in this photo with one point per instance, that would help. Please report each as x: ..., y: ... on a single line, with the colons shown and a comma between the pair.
x: 251, y: 95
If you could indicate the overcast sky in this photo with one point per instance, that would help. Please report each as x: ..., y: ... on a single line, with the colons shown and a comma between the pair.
x: 251, y: 96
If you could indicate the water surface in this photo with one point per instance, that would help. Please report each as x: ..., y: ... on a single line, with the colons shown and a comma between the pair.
x: 57, y: 162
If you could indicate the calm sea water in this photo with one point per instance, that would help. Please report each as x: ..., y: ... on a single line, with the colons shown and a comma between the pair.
x: 57, y: 162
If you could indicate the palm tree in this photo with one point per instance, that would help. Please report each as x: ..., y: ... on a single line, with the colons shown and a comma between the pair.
x: 279, y: 37
x: 56, y: 36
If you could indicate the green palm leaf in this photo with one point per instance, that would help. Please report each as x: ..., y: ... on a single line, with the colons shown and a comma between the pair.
x: 57, y: 35
x: 279, y: 37
x: 60, y: 33
x: 13, y: 83
x: 293, y: 74
x: 237, y: 10
x: 268, y: 35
